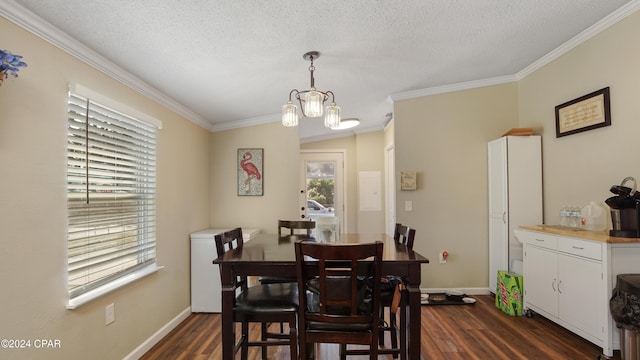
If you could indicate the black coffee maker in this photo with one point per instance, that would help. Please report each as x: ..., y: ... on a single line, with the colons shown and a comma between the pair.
x: 625, y: 210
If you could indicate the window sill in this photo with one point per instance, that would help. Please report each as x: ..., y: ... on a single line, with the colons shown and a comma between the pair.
x: 103, y: 290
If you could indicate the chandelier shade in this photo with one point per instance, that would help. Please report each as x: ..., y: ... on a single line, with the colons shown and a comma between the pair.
x: 290, y: 114
x: 332, y: 119
x: 311, y: 102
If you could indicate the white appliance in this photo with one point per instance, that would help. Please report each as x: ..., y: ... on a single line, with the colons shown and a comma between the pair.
x: 205, y: 276
x: 515, y: 199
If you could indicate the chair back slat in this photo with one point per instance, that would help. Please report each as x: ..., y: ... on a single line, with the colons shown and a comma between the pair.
x: 404, y: 235
x: 342, y: 284
x: 227, y: 241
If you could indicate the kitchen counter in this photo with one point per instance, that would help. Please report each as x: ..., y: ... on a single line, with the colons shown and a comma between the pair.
x: 602, y: 236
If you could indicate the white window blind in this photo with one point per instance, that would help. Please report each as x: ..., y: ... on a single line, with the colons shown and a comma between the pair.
x: 111, y: 189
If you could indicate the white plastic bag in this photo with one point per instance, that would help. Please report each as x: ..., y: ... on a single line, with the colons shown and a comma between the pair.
x: 594, y: 217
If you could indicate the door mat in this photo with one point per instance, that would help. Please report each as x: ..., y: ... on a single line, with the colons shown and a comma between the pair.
x: 445, y: 299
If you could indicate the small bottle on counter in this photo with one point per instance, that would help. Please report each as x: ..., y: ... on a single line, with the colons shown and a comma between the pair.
x: 576, y: 217
x: 564, y: 216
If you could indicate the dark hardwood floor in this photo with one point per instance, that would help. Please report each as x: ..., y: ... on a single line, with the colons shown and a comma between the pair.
x: 478, y: 331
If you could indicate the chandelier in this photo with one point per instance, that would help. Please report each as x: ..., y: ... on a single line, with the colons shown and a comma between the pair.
x: 311, y: 102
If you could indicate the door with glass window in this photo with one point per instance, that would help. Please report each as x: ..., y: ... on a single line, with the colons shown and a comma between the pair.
x: 322, y: 189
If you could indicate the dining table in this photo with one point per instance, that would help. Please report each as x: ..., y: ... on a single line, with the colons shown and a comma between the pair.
x: 273, y: 255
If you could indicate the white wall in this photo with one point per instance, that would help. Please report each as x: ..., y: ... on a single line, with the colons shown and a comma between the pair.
x: 33, y: 212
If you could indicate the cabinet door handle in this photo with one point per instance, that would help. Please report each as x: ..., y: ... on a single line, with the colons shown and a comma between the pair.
x: 504, y: 217
x: 577, y: 247
x: 559, y: 283
x: 553, y: 285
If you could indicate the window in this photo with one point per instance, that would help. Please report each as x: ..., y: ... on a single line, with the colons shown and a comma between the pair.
x: 111, y: 198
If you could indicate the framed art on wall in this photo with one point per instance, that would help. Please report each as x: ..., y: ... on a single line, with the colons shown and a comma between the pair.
x: 250, y: 172
x: 588, y: 112
x: 408, y: 180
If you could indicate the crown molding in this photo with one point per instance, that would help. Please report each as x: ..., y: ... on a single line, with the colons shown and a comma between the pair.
x: 587, y: 34
x: 451, y: 88
x: 26, y: 19
x: 236, y: 124
x: 342, y: 133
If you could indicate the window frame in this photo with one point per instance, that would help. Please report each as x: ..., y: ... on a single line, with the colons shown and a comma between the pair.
x: 126, y: 188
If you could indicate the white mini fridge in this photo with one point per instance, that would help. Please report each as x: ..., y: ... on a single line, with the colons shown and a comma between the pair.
x: 205, y: 276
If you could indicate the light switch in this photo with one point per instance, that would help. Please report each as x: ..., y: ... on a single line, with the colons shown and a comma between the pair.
x: 408, y: 205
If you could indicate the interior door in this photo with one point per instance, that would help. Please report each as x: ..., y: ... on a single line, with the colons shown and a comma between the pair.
x: 322, y: 186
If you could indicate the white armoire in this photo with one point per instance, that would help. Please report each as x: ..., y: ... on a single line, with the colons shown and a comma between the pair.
x: 515, y: 199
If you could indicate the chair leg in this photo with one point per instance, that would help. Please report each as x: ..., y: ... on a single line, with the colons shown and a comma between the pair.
x: 293, y: 338
x: 382, y: 330
x: 374, y: 348
x: 403, y: 326
x: 244, y: 351
x: 343, y: 351
x: 393, y: 331
x: 263, y: 335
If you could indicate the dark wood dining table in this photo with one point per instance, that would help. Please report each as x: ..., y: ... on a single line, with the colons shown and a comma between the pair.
x: 271, y: 255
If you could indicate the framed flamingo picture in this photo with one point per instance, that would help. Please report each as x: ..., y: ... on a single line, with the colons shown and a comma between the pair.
x: 250, y: 176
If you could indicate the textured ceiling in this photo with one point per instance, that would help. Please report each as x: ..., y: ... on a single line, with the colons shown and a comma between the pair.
x: 233, y: 62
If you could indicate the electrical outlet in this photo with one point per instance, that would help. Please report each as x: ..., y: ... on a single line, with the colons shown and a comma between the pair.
x: 442, y: 259
x: 109, y: 314
x: 408, y: 205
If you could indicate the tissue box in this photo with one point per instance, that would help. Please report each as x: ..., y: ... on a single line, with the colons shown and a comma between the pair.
x: 509, y: 293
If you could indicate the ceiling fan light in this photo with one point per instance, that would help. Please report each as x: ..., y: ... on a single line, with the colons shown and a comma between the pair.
x: 313, y: 101
x: 290, y: 114
x: 332, y: 119
x: 347, y: 123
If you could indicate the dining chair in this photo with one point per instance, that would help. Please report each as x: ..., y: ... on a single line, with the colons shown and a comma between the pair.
x: 339, y: 301
x: 292, y: 227
x: 393, y: 297
x: 262, y: 303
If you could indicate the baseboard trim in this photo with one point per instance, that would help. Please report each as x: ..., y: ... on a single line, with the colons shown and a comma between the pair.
x: 158, y: 335
x: 468, y: 291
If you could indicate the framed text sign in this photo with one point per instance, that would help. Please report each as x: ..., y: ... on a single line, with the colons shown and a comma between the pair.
x: 408, y: 180
x: 588, y: 112
x: 250, y: 172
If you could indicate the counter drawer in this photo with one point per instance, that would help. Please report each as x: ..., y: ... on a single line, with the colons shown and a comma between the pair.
x: 588, y: 249
x: 543, y: 240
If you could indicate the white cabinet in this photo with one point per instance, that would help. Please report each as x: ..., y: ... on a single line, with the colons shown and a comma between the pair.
x: 579, y: 286
x: 541, y: 286
x: 515, y: 197
x: 205, y: 276
x: 563, y: 287
x: 569, y: 277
